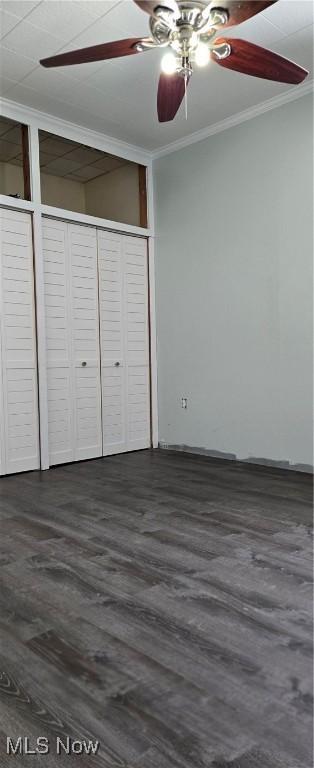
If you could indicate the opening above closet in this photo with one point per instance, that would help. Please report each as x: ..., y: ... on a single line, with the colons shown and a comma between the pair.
x: 79, y: 178
x: 14, y: 159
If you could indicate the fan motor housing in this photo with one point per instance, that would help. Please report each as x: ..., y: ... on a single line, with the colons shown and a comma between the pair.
x: 182, y: 32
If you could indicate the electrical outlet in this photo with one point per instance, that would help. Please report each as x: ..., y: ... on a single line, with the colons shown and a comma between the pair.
x: 184, y: 402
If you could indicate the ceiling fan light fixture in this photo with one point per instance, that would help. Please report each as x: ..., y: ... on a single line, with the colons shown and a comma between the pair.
x: 201, y: 56
x: 187, y: 30
x: 169, y: 63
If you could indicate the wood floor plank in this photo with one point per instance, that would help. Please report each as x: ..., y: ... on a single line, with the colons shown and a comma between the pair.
x: 160, y: 603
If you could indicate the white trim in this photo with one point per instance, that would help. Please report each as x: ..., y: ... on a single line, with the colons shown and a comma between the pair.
x: 17, y: 203
x: 153, y: 341
x: 34, y: 165
x: 240, y: 117
x: 60, y: 213
x: 150, y: 196
x: 93, y: 221
x: 39, y: 298
x: 52, y: 124
x: 152, y: 305
x: 41, y: 340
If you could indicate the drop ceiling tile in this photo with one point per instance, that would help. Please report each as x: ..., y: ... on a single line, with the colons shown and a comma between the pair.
x: 84, y: 155
x: 100, y: 122
x: 299, y: 48
x: 88, y: 173
x: 108, y: 163
x: 61, y: 18
x: 7, y: 22
x: 290, y: 15
x: 54, y: 82
x: 45, y: 158
x: 71, y: 177
x: 100, y: 31
x: 53, y: 146
x: 19, y: 8
x: 97, y: 8
x: 112, y: 81
x: 131, y: 19
x: 13, y: 135
x: 5, y: 125
x: 111, y: 75
x: 75, y: 114
x: 17, y: 161
x: 32, y: 98
x: 128, y: 109
x: 228, y: 93
x: 61, y: 166
x: 257, y: 30
x: 14, y: 65
x: 96, y: 102
x: 44, y: 135
x: 34, y: 42
x: 7, y: 150
x: 6, y: 85
x: 95, y: 99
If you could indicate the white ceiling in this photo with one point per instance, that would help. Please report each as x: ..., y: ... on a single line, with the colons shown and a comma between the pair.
x: 118, y: 97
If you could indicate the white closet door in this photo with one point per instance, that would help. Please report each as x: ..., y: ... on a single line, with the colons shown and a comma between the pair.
x: 110, y: 264
x: 85, y: 341
x: 136, y: 335
x: 58, y: 341
x: 123, y: 296
x: 72, y: 329
x: 19, y: 433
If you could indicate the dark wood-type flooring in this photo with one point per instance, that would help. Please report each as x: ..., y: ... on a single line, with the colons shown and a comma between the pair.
x: 160, y: 603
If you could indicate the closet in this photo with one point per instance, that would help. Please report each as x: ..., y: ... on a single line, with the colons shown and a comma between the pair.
x: 19, y: 427
x: 97, y: 337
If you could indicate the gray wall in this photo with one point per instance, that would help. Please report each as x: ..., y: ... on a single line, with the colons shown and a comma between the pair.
x: 235, y: 290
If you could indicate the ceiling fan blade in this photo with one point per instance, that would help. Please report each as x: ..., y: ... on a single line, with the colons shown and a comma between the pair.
x: 240, y: 10
x: 149, y: 6
x: 95, y: 53
x: 253, y: 60
x: 171, y: 90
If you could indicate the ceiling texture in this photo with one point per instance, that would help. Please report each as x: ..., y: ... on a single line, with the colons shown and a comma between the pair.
x: 118, y: 98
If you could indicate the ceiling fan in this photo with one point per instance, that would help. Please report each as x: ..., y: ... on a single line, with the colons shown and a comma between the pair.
x: 187, y: 29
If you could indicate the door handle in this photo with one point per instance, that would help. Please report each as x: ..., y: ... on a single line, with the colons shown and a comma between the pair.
x: 117, y: 365
x: 84, y: 364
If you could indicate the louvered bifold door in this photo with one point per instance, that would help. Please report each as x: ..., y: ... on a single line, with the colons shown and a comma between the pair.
x: 136, y: 341
x: 110, y: 265
x: 123, y: 301
x: 72, y: 333
x: 85, y: 341
x: 58, y: 341
x: 19, y: 421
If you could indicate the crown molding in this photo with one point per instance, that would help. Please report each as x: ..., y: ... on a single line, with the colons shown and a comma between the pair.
x: 237, y: 119
x: 53, y: 124
x: 137, y: 154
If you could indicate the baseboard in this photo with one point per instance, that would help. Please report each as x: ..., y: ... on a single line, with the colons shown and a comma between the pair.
x: 308, y: 468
